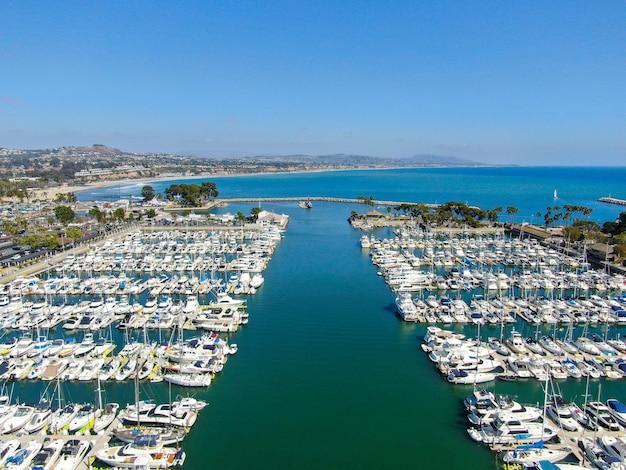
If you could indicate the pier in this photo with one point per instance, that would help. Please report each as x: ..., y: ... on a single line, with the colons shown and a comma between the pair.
x: 612, y: 200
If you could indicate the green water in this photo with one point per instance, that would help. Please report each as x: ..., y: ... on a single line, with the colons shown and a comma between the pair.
x: 326, y: 375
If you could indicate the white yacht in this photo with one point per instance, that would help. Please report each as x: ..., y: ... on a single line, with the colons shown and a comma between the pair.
x: 188, y: 380
x: 561, y: 413
x: 22, y: 414
x: 62, y: 417
x: 40, y: 418
x: 529, y: 455
x: 602, y: 415
x: 616, y: 446
x: 516, y: 343
x: 85, y: 346
x: 72, y: 454
x: 146, y: 451
x: 406, y: 308
x: 467, y: 376
x: 522, y: 413
x: 22, y: 457
x: 512, y: 432
x: 164, y: 414
x: 106, y: 417
x: 169, y: 435
x: 618, y: 410
x: 84, y: 419
x: 48, y: 455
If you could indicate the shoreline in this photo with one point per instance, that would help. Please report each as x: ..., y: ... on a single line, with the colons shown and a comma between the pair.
x: 51, y: 193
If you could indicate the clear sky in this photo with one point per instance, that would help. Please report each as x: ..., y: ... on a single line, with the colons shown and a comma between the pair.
x: 526, y: 82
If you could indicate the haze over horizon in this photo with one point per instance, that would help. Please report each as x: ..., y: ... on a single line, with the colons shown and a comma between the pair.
x: 529, y: 83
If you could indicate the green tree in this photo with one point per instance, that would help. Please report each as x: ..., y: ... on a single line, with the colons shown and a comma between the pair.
x: 97, y: 214
x: 191, y: 195
x: 65, y: 197
x: 151, y: 213
x: 241, y: 217
x: 617, y: 227
x: 64, y: 214
x: 51, y: 241
x: 74, y: 232
x: 119, y: 214
x: 147, y: 192
x: 511, y: 211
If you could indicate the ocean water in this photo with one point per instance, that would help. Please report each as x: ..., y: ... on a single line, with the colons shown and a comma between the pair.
x: 530, y: 189
x: 327, y: 376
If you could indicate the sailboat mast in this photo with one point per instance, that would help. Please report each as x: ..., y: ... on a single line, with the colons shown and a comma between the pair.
x: 99, y: 390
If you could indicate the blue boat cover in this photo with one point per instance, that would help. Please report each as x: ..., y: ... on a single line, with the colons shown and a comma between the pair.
x: 618, y: 406
x: 547, y: 465
x: 536, y: 445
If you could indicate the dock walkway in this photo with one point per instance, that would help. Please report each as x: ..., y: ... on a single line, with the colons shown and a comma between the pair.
x: 98, y: 441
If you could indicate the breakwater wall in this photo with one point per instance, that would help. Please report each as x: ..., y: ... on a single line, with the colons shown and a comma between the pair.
x: 612, y: 200
x: 319, y: 199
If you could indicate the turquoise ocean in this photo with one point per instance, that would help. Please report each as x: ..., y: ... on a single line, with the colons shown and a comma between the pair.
x: 327, y: 376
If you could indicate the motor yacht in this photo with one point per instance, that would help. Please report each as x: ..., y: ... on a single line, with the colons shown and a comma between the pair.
x: 512, y: 432
x: 145, y: 451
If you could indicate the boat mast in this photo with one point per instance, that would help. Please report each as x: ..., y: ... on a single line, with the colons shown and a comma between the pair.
x: 99, y: 390
x: 137, y: 400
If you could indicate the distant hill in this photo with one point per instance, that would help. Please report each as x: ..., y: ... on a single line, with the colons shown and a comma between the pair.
x: 98, y: 149
x: 447, y: 160
x: 346, y: 159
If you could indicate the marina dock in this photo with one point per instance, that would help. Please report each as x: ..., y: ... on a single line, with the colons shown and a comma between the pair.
x: 97, y: 441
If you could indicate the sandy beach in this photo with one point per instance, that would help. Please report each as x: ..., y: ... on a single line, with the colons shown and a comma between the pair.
x: 51, y: 193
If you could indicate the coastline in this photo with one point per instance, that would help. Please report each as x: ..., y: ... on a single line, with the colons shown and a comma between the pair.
x: 51, y: 193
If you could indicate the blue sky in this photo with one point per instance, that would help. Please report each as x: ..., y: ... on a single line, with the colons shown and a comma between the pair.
x: 530, y: 82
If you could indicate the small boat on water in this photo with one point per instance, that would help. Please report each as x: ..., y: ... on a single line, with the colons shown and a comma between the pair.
x: 517, y: 413
x: 7, y: 448
x: 616, y: 446
x: 62, y: 417
x: 21, y: 415
x: 618, y: 410
x: 597, y: 454
x: 22, y: 457
x: 145, y: 451
x: 151, y: 414
x: 169, y: 435
x: 562, y: 413
x: 40, y: 418
x: 535, y: 453
x: 305, y: 204
x: 48, y: 455
x: 188, y: 380
x: 512, y: 432
x: 106, y: 417
x: 602, y: 415
x: 468, y: 376
x: 84, y: 419
x: 72, y: 454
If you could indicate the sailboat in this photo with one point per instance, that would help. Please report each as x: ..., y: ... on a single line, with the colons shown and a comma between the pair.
x: 169, y: 431
x: 106, y: 413
x: 556, y: 195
